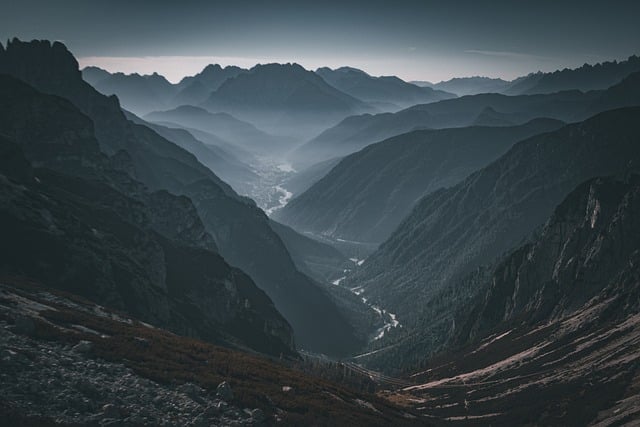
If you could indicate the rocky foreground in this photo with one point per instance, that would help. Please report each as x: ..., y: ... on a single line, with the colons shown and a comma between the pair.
x: 66, y: 361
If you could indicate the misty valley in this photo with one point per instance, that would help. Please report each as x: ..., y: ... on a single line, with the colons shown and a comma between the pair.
x: 278, y: 244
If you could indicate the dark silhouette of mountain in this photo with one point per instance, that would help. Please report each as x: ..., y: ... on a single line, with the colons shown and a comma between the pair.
x: 356, y: 132
x: 194, y: 90
x: 366, y: 196
x: 557, y: 317
x: 137, y: 93
x: 378, y: 90
x: 224, y: 164
x: 79, y: 224
x: 241, y: 231
x: 453, y: 231
x: 462, y: 86
x: 283, y: 99
x: 223, y: 125
x: 586, y: 78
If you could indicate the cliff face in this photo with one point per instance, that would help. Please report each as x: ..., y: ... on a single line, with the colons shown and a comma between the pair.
x: 588, y: 249
x: 77, y: 223
x: 555, y: 336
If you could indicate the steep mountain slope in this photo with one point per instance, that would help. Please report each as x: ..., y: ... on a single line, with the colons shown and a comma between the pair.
x: 222, y: 163
x: 379, y: 90
x: 316, y: 259
x: 555, y: 337
x: 462, y: 86
x: 194, y: 90
x: 94, y: 75
x: 588, y: 77
x: 453, y: 231
x: 241, y: 230
x: 137, y: 93
x: 581, y: 254
x: 303, y: 180
x: 357, y: 132
x: 74, y: 226
x: 284, y: 99
x: 223, y: 125
x: 366, y: 196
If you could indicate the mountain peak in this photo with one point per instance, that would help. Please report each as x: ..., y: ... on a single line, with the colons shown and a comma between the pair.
x: 41, y: 60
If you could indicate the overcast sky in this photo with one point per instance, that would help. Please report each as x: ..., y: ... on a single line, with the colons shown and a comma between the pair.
x: 416, y: 40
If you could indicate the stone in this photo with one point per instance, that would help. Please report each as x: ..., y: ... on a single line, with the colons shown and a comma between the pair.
x: 199, y: 421
x: 110, y: 411
x: 224, y: 391
x: 83, y: 346
x: 258, y: 415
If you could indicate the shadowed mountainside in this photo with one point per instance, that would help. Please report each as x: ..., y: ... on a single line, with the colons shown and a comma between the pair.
x: 453, y: 231
x: 241, y: 230
x: 366, y: 196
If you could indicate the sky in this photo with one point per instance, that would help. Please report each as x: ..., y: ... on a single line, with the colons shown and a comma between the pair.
x: 415, y: 40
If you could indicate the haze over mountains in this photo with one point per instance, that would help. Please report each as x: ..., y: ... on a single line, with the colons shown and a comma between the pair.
x: 339, y: 248
x: 366, y: 196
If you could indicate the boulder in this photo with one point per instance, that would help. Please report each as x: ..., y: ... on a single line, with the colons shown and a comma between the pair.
x: 224, y: 391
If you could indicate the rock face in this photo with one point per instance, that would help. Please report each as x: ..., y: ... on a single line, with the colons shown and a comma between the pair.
x: 366, y: 196
x: 78, y: 224
x: 240, y: 230
x: 554, y: 336
x: 452, y: 232
x: 588, y: 249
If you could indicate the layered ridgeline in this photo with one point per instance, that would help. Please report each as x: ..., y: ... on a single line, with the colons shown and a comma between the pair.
x: 356, y: 132
x: 453, y: 231
x: 194, y: 90
x: 388, y: 93
x: 145, y: 93
x: 79, y: 223
x: 366, y: 196
x: 241, y: 231
x: 558, y: 317
x: 222, y: 162
x: 230, y: 129
x: 137, y: 93
x: 585, y: 78
x: 284, y: 99
x: 462, y: 86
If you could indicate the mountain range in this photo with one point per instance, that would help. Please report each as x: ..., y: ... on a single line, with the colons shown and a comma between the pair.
x: 356, y: 132
x: 276, y: 245
x: 99, y: 234
x: 585, y: 78
x: 384, y: 91
x: 454, y: 231
x: 366, y: 196
x: 240, y: 230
